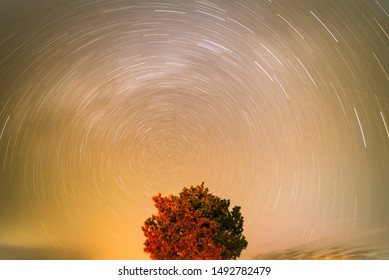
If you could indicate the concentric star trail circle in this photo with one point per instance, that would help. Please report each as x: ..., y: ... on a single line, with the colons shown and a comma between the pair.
x: 280, y: 106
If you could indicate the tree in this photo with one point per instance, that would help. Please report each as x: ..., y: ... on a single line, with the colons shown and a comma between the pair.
x: 194, y: 225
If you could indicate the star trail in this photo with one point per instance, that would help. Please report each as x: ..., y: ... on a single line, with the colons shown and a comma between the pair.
x: 281, y: 106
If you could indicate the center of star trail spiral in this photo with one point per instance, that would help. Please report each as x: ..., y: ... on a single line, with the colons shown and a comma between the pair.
x: 280, y: 106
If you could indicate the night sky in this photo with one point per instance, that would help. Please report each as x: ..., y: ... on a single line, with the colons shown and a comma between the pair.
x: 281, y: 106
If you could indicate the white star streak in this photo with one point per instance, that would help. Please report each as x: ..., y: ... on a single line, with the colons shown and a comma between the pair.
x: 383, y: 120
x: 360, y: 127
x: 325, y: 26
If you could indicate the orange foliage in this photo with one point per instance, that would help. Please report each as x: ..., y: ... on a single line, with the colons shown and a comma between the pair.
x: 195, y: 225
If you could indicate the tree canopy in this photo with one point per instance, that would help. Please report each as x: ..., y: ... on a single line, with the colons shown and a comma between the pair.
x: 194, y: 225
